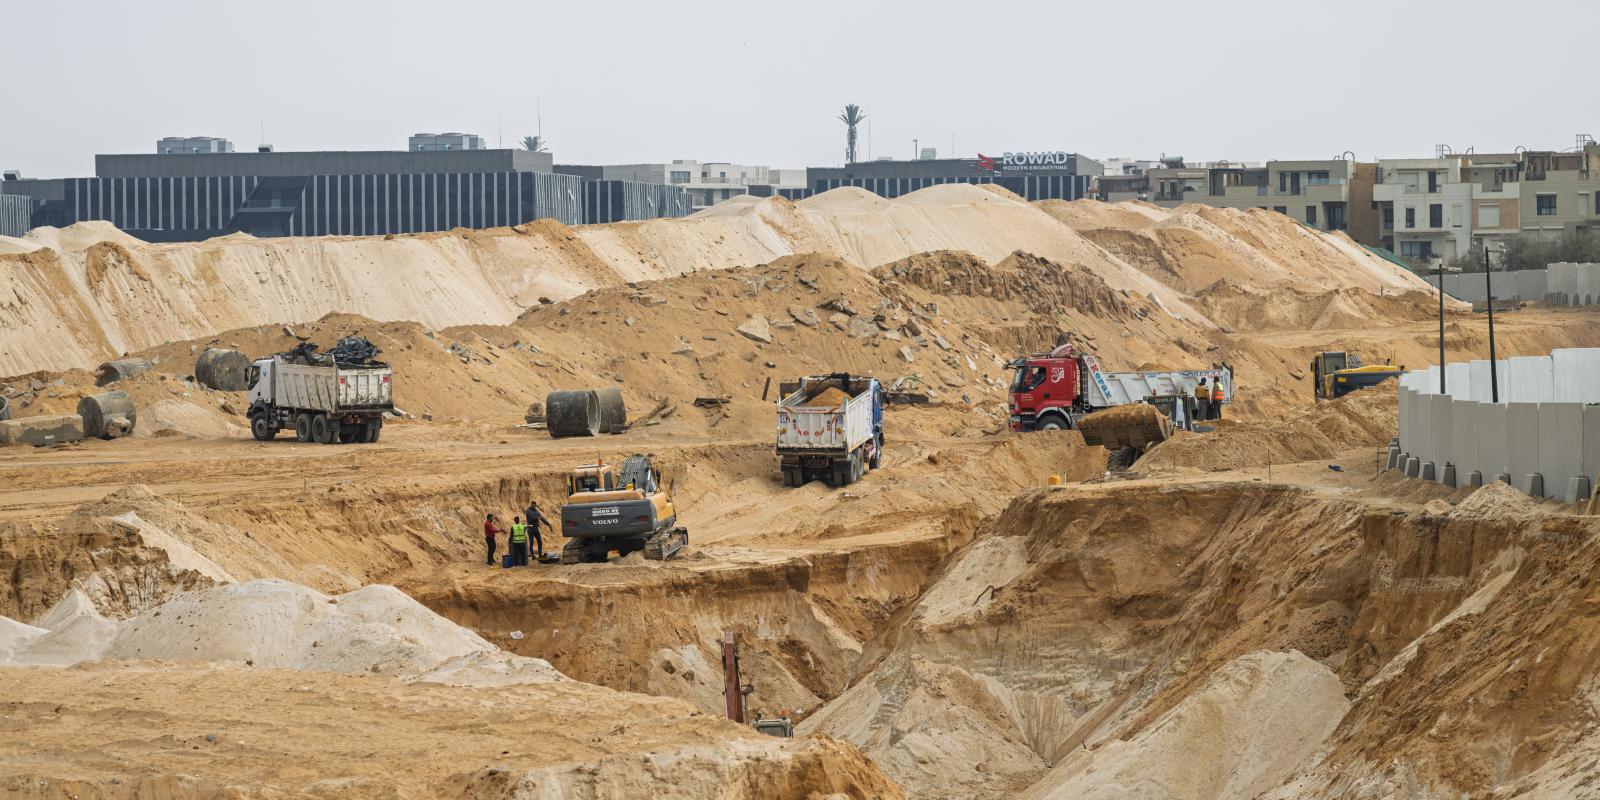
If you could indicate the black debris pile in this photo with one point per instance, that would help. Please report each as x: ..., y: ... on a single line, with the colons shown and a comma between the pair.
x: 351, y: 351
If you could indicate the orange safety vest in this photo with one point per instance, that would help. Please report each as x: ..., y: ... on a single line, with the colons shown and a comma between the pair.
x: 1216, y: 393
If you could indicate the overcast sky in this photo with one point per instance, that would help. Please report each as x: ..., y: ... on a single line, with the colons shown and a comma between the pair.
x: 763, y: 82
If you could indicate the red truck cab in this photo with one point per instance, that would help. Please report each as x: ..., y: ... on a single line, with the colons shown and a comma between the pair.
x: 1045, y: 391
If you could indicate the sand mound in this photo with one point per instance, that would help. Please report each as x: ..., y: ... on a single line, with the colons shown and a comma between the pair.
x: 1246, y: 730
x: 1496, y: 500
x: 1368, y: 417
x: 845, y: 200
x: 81, y: 236
x: 828, y: 398
x: 180, y: 418
x: 1086, y: 215
x: 274, y: 623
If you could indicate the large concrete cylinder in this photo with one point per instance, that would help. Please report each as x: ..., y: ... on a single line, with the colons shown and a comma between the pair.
x: 221, y: 369
x: 572, y: 413
x: 107, y: 415
x: 121, y: 369
x: 613, y: 414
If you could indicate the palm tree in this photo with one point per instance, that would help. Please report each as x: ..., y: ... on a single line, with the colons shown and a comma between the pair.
x: 851, y: 117
x: 535, y: 144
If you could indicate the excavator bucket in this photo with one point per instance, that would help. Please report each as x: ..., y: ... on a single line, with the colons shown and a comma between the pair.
x: 1138, y: 425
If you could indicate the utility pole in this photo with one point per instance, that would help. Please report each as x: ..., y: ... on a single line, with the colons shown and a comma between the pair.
x: 1488, y: 290
x: 1441, y: 327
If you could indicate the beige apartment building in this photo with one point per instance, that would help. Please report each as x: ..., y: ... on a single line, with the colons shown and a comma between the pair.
x: 1331, y: 195
x: 1560, y: 191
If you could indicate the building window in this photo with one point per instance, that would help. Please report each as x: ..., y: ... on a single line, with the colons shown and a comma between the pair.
x: 1416, y: 249
x: 1311, y: 215
x: 1436, y: 215
x: 1411, y: 216
x: 1388, y: 217
x: 1284, y: 210
x: 1489, y: 216
x: 679, y: 176
x: 1317, y: 178
x: 1544, y: 205
x: 1456, y: 215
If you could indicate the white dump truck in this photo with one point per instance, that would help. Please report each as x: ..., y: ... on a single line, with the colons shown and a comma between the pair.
x: 319, y: 396
x: 830, y: 427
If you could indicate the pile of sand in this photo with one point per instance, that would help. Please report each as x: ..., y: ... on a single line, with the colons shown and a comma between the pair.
x: 1368, y: 417
x: 1244, y: 732
x: 1194, y: 246
x: 830, y: 397
x: 88, y: 295
x: 274, y: 623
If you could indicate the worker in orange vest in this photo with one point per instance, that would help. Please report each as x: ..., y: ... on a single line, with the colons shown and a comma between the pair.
x: 1216, y: 399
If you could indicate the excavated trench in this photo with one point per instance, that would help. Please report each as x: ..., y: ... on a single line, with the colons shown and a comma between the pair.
x: 1086, y: 618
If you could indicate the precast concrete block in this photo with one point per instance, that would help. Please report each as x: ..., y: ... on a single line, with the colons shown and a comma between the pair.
x: 1447, y: 476
x: 1429, y: 472
x: 1394, y: 461
x: 1533, y: 484
x: 41, y: 431
x: 1578, y: 490
x: 1413, y: 467
x: 1503, y: 478
x: 1475, y: 478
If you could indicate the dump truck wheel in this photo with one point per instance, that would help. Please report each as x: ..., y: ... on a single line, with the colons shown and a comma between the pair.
x: 262, y: 428
x: 374, y: 427
x: 1052, y: 423
x: 349, y: 433
x: 324, y: 429
x: 302, y: 428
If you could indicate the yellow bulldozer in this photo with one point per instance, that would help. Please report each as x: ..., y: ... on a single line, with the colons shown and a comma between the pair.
x: 626, y: 510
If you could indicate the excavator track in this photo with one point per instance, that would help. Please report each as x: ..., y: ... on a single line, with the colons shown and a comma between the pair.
x: 572, y: 552
x: 665, y: 544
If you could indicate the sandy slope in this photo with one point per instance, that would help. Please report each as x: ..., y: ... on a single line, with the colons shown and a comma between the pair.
x: 90, y: 292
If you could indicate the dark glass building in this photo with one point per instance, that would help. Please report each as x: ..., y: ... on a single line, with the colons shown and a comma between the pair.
x: 1052, y: 175
x: 194, y: 196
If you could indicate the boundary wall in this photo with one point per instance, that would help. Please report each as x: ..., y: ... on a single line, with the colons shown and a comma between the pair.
x: 1562, y: 284
x: 1543, y: 436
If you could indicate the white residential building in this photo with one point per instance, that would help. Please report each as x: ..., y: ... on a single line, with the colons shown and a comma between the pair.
x: 1425, y: 207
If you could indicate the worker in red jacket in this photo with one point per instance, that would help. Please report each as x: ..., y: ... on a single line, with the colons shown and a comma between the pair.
x: 490, y: 528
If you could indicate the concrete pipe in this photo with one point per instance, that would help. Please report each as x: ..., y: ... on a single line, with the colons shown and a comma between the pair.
x: 221, y: 369
x: 121, y: 369
x: 107, y: 415
x: 572, y: 413
x: 613, y: 414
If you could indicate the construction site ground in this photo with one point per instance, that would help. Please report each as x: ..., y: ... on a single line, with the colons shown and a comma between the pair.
x: 1253, y: 611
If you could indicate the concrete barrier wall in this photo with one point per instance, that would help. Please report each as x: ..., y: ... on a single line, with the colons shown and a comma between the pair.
x: 1543, y: 424
x: 1563, y: 282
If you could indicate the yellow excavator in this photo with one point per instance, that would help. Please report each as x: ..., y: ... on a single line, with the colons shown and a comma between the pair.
x: 1337, y: 373
x: 627, y: 510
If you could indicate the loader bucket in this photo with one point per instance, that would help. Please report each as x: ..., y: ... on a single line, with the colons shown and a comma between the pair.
x: 1137, y: 425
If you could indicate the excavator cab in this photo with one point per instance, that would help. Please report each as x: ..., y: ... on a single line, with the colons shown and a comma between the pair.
x: 1336, y: 373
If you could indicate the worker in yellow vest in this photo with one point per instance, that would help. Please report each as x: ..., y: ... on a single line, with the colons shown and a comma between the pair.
x: 1216, y: 399
x: 1202, y: 400
x: 519, y: 543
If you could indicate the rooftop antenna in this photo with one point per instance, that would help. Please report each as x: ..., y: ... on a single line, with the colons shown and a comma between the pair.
x: 500, y: 141
x: 263, y: 139
x: 538, y: 110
